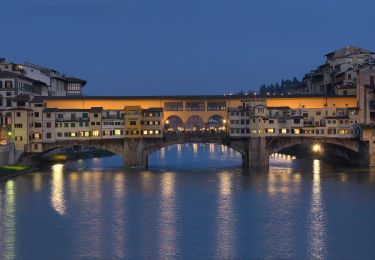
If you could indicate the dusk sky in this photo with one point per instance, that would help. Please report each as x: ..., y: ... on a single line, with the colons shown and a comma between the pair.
x: 167, y: 47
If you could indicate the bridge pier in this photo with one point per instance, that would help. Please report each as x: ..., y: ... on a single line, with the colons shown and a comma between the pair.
x: 135, y: 153
x: 367, y: 154
x: 257, y: 153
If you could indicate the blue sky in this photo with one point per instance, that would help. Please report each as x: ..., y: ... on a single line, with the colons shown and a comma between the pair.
x: 162, y: 47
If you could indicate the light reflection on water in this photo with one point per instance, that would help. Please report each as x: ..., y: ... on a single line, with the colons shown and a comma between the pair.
x: 202, y: 206
x: 225, y: 218
x: 317, y: 219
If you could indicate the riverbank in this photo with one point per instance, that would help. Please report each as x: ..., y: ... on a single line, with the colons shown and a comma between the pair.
x: 12, y: 171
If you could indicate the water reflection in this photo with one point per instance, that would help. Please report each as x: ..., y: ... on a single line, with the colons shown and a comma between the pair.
x: 317, y: 218
x: 119, y: 216
x: 179, y: 151
x: 220, y: 212
x: 226, y: 233
x: 162, y: 153
x: 167, y: 222
x: 57, y: 189
x: 8, y: 232
x: 37, y: 182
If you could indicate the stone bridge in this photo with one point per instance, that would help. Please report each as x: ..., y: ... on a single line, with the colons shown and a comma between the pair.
x: 255, y: 151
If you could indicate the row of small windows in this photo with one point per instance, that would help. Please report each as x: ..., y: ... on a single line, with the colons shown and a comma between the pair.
x: 144, y: 132
x: 297, y: 131
x: 74, y: 124
x: 195, y: 106
x: 6, y: 84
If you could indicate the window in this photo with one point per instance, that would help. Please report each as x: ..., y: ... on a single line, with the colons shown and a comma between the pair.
x: 48, y: 135
x: 85, y: 115
x: 17, y: 125
x: 36, y: 114
x: 216, y: 106
x: 8, y: 84
x: 60, y: 116
x: 18, y: 138
x: 195, y: 106
x: 95, y: 132
x: 118, y: 132
x: 96, y: 115
x: 37, y: 136
x: 173, y: 106
x: 73, y: 134
x: 296, y: 131
x: 72, y: 124
x: 97, y: 123
x: 59, y: 134
x: 18, y: 114
x: 66, y: 124
x: 133, y: 122
x: 9, y: 103
x: 38, y: 125
x: 48, y: 115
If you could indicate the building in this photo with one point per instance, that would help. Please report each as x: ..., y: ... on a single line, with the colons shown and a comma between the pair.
x: 338, y: 75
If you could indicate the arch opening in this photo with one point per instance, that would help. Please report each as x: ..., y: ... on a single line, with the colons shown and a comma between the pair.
x: 317, y: 150
x: 194, y: 123
x: 195, y: 155
x: 173, y: 123
x: 71, y: 152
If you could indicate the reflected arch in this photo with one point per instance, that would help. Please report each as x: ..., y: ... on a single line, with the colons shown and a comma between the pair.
x: 173, y: 122
x: 195, y: 122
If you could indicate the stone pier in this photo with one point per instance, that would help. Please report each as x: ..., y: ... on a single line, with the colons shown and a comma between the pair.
x: 135, y: 154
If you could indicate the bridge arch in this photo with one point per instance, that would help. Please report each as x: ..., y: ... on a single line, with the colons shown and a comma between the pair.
x: 195, y: 122
x: 111, y: 145
x: 215, y: 121
x: 174, y: 122
x: 346, y: 148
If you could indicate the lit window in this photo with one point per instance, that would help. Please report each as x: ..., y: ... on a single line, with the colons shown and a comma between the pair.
x: 157, y: 132
x: 37, y: 136
x: 254, y: 131
x: 118, y: 132
x: 151, y: 132
x: 297, y: 131
x: 73, y: 134
x: 283, y: 131
x: 145, y: 132
x: 95, y: 133
x: 270, y: 130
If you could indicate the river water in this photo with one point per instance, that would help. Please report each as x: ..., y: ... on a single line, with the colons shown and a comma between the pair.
x: 195, y: 202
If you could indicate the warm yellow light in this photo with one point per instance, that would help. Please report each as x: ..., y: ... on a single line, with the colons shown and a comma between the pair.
x: 316, y: 148
x: 167, y: 121
x: 224, y: 121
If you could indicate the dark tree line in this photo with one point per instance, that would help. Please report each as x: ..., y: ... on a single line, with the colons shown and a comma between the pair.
x: 283, y: 88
